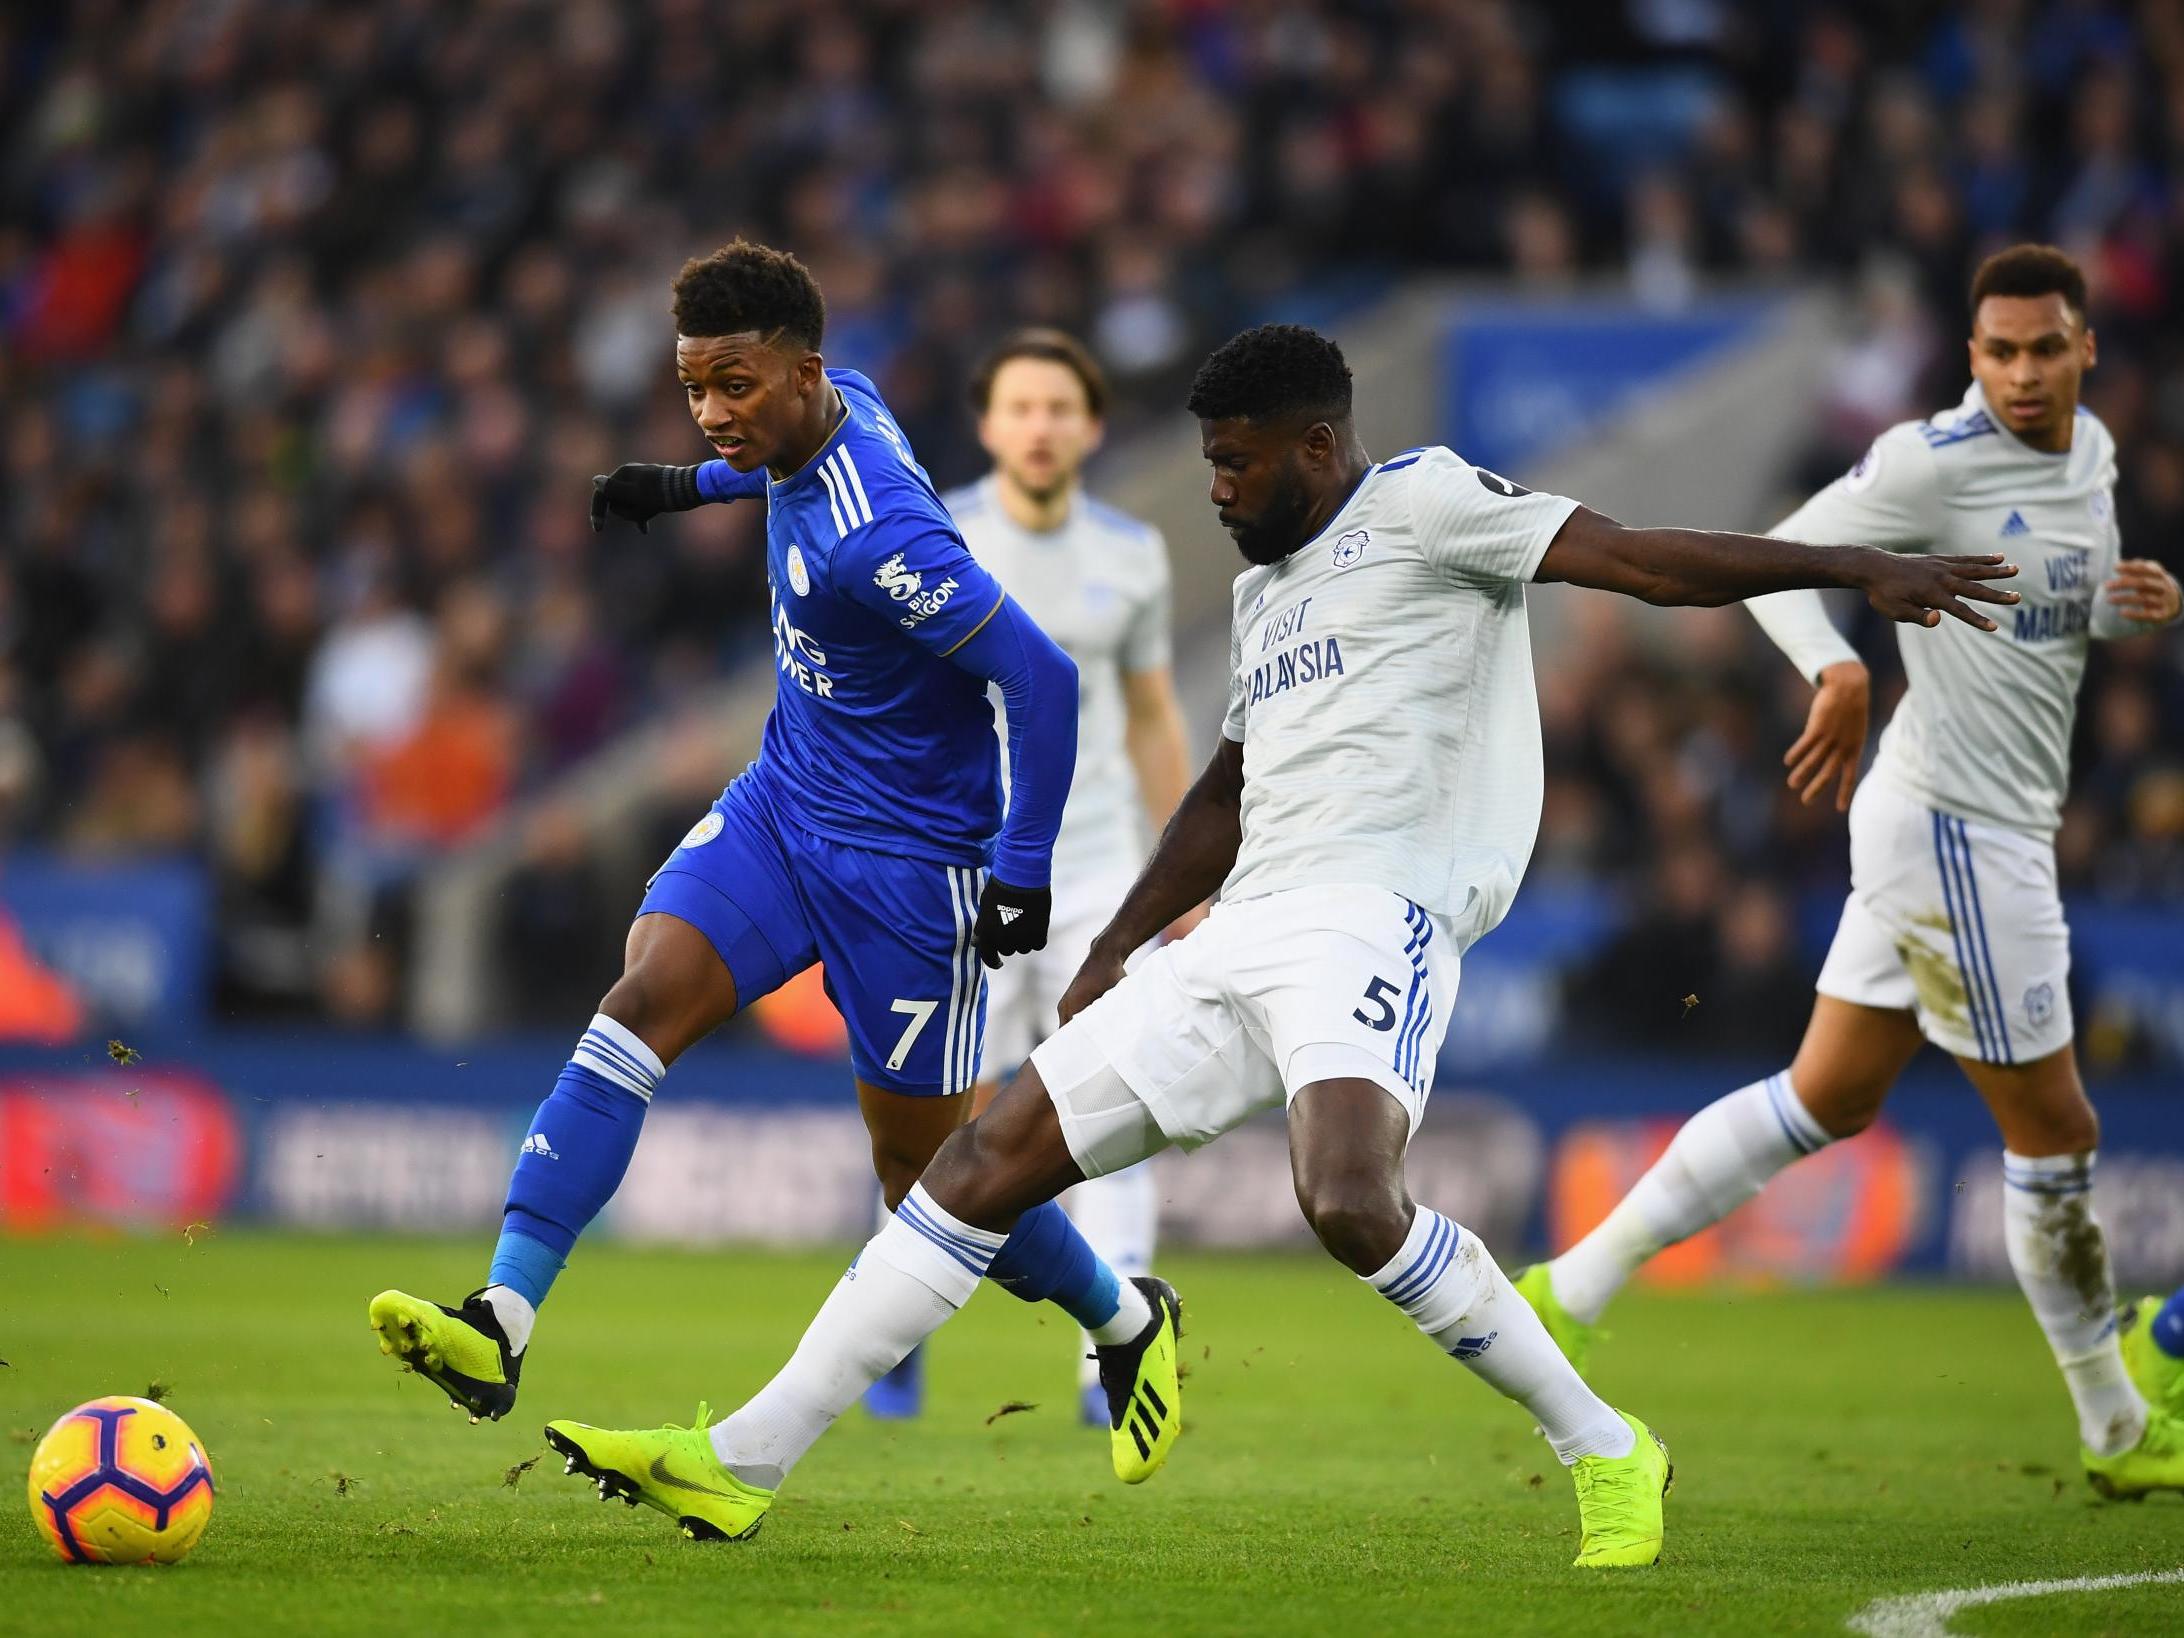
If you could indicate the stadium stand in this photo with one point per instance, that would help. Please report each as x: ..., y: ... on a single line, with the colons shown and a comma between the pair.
x: 310, y: 339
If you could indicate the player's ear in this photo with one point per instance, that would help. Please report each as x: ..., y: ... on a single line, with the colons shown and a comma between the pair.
x: 811, y: 373
x: 1095, y: 434
x: 1318, y: 443
x: 2092, y: 348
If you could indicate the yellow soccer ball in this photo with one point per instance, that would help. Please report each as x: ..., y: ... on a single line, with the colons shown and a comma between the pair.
x: 121, y: 1481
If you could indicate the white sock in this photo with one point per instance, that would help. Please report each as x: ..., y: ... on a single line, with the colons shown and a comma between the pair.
x: 515, y: 1313
x: 2061, y: 1261
x: 908, y: 1281
x: 1449, y: 1283
x: 1119, y: 1216
x: 1132, y: 1314
x: 1717, y: 1161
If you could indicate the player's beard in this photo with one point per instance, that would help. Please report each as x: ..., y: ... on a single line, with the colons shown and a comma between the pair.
x: 1042, y: 494
x: 1278, y: 530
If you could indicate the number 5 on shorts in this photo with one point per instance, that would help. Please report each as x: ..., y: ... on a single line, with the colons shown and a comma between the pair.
x: 919, y: 1012
x: 1376, y: 995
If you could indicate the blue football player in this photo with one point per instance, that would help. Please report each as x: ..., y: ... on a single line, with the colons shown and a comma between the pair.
x: 868, y: 835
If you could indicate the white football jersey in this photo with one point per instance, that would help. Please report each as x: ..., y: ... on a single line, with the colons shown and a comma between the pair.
x: 1098, y: 585
x: 1984, y: 729
x: 1381, y: 686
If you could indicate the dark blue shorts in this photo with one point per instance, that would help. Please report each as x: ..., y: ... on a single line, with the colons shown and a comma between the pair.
x: 894, y: 933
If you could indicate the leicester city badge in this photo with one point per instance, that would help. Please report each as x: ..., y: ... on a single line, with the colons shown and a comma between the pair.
x: 799, y: 576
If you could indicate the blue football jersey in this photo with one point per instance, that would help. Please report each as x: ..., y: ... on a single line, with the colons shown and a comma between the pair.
x: 875, y: 737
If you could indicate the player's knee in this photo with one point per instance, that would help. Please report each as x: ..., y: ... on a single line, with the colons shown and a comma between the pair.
x: 640, y: 1001
x: 959, y: 1167
x: 897, y: 1173
x: 2063, y: 1125
x: 1360, y: 1217
x: 1843, y: 1106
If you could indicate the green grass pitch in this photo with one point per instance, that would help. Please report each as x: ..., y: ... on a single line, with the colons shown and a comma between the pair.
x: 1337, y: 1476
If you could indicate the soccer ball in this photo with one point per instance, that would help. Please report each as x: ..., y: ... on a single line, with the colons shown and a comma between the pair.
x: 119, y: 1481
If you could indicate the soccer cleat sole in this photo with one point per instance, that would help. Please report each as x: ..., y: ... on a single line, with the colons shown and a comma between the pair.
x: 616, y: 1486
x: 400, y: 1338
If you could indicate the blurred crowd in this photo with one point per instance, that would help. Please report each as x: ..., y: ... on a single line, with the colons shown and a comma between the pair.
x: 315, y: 319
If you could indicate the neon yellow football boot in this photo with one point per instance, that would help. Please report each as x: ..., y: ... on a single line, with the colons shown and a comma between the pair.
x: 1619, y: 1502
x: 671, y: 1468
x: 2158, y: 1376
x: 461, y: 1350
x: 1572, y: 1335
x: 2156, y: 1462
x: 1144, y: 1388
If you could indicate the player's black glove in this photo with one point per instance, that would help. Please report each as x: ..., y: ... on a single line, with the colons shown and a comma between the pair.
x: 1011, y: 920
x: 638, y: 493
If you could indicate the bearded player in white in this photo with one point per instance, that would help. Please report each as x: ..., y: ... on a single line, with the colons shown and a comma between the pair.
x: 1953, y: 931
x: 1096, y: 581
x: 1367, y: 816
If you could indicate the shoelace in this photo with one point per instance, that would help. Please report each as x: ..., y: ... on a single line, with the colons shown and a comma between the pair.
x: 704, y: 1420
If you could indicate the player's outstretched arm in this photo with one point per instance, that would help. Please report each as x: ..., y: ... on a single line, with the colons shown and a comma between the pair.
x: 1705, y: 568
x: 637, y: 492
x: 1193, y: 857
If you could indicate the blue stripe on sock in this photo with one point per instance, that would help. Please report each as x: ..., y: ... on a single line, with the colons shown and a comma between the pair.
x: 1778, y: 1094
x: 970, y: 1263
x: 1423, y: 1281
x: 1967, y: 981
x: 2000, y: 1014
x: 1426, y: 1267
x: 1425, y: 1254
x: 969, y: 1253
x: 927, y: 1214
x: 614, y: 1049
x: 617, y: 1054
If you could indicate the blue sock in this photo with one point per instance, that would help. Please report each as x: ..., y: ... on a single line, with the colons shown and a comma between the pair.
x: 2168, y: 1326
x: 573, y: 1160
x: 1045, y: 1259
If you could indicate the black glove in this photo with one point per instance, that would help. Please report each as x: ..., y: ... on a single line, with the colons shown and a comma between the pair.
x: 638, y: 493
x: 1011, y: 920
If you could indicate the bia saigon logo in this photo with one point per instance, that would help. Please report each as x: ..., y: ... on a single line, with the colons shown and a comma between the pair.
x: 907, y: 587
x: 898, y: 582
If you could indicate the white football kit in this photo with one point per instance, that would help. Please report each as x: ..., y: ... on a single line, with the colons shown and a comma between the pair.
x: 1099, y: 586
x: 1954, y: 911
x: 1381, y: 688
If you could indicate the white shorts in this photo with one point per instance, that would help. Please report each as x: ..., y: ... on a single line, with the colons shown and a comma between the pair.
x: 1958, y: 921
x: 1265, y: 997
x: 1024, y: 994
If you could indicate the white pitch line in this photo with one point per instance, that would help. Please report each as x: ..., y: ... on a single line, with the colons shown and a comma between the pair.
x: 1926, y: 1615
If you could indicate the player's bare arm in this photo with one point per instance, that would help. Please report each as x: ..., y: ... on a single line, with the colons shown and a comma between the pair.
x: 1154, y: 735
x: 1706, y: 568
x: 1833, y: 744
x: 1193, y: 857
x: 2144, y: 592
